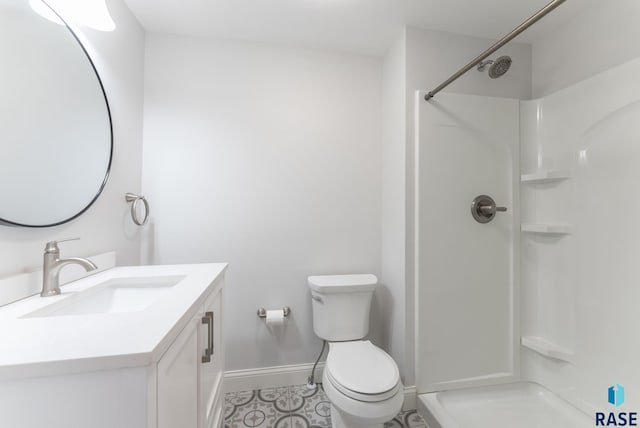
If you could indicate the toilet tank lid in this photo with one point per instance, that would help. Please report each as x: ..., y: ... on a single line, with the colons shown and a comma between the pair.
x: 343, y: 283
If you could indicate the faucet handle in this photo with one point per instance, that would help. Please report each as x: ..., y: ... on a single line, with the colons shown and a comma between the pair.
x: 52, y: 246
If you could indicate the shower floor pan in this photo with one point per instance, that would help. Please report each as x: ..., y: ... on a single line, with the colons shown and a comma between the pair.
x: 517, y: 405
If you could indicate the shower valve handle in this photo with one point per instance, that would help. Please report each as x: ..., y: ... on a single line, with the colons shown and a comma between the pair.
x: 484, y: 209
x: 489, y: 209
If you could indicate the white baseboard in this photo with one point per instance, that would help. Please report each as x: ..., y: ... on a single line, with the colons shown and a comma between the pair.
x: 273, y: 377
x: 269, y: 377
x: 410, y: 398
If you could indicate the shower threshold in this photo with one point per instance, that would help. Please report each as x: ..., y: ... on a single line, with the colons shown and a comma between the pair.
x: 521, y: 405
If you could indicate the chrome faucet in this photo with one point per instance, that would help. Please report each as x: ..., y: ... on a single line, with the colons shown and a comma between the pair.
x: 53, y: 264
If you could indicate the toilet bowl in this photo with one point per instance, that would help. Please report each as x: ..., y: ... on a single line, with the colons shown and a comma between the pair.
x: 363, y: 384
x: 361, y: 381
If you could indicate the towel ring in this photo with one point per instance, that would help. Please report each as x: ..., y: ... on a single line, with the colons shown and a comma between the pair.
x: 132, y: 197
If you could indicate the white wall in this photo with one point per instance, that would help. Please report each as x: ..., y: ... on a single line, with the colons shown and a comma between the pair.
x: 118, y: 57
x: 426, y: 58
x: 604, y: 35
x: 267, y: 158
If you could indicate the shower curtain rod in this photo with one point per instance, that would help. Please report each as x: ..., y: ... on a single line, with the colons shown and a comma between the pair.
x: 503, y: 41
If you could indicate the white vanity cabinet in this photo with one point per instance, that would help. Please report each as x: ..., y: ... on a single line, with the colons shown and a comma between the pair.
x: 160, y: 367
x: 177, y: 374
x: 211, y: 397
x: 189, y: 374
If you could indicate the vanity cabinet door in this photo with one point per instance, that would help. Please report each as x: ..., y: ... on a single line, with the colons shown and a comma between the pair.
x: 177, y: 373
x: 212, y: 368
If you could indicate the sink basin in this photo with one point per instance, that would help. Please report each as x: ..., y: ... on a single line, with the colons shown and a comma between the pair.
x: 116, y: 295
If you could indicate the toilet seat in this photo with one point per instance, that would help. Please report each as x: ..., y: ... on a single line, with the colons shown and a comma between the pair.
x: 367, y: 398
x: 362, y: 371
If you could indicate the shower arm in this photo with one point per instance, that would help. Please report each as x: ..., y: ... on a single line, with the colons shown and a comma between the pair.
x: 503, y: 41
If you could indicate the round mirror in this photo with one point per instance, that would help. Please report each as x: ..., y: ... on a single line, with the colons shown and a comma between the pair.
x: 55, y: 125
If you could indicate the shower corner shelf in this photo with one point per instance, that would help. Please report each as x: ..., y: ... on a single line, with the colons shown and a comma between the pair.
x: 547, y: 349
x: 545, y: 176
x: 549, y: 229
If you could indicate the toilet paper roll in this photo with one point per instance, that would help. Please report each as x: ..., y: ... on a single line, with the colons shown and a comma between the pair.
x: 275, y: 317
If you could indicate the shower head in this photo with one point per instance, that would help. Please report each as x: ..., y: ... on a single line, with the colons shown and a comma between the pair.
x: 496, y: 68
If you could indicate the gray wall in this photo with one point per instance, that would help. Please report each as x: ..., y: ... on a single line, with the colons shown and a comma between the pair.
x: 267, y: 158
x: 394, y: 200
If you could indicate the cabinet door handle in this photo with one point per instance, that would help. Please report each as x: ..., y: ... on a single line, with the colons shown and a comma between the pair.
x: 208, y: 320
x: 211, y: 341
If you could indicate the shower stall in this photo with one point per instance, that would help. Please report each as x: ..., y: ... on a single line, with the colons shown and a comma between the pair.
x: 527, y: 282
x: 529, y: 319
x: 468, y: 311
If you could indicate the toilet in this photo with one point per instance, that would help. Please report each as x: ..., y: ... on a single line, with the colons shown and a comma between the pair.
x: 361, y: 381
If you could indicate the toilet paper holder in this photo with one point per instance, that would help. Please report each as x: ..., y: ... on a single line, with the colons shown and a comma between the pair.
x: 262, y: 312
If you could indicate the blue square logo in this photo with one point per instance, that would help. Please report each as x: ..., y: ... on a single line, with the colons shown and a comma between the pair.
x: 616, y: 395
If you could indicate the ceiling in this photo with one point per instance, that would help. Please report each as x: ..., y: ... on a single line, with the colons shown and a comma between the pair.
x: 359, y: 26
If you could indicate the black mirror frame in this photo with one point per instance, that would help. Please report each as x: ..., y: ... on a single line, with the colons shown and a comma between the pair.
x: 106, y: 177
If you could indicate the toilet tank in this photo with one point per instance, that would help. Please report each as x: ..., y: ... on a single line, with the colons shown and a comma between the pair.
x: 341, y: 305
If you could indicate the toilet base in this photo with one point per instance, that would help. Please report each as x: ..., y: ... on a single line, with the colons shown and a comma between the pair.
x: 340, y: 420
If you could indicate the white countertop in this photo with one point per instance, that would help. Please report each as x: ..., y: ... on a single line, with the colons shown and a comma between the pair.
x: 56, y: 345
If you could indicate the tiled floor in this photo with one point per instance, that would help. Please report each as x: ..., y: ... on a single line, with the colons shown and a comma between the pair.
x: 292, y: 407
